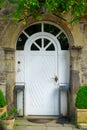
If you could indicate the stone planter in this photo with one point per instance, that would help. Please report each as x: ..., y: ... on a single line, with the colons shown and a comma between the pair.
x: 81, y: 116
x: 8, y: 124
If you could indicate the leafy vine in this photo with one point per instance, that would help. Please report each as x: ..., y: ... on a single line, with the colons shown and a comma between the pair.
x: 21, y: 9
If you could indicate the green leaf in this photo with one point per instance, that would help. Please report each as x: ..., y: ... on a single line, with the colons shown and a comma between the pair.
x: 22, y: 8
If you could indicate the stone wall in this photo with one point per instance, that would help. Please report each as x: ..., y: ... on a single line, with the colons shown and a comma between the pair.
x: 2, y: 71
x: 83, y: 69
x: 75, y: 78
x: 10, y: 72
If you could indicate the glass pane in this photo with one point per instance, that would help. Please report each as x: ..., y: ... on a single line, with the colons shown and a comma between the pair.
x: 63, y: 41
x: 51, y: 29
x: 51, y: 48
x: 21, y: 42
x: 46, y: 41
x: 33, y: 29
x: 39, y: 42
x: 34, y: 47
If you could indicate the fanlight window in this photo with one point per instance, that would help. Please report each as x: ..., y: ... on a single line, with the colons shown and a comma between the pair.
x: 37, y: 45
x: 42, y: 44
x: 51, y: 29
x: 21, y: 41
x: 33, y: 29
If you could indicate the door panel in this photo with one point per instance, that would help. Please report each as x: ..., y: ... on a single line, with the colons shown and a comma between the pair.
x: 43, y: 99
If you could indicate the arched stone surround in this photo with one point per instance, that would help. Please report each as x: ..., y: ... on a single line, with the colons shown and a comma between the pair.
x: 9, y: 38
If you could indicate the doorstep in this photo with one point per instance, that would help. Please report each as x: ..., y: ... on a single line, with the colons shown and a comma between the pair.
x: 24, y: 124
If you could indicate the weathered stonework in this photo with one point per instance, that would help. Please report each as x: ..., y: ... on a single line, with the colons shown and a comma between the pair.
x: 10, y: 74
x: 83, y: 69
x: 74, y: 77
x: 77, y: 35
x: 2, y: 71
x: 83, y: 27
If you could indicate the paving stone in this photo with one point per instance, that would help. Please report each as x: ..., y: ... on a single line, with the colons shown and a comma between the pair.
x: 35, y: 128
x: 29, y: 128
x: 59, y: 128
x: 52, y: 125
x: 19, y: 128
x: 77, y: 129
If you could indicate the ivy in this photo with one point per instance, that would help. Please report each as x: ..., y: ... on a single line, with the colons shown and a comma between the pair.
x: 23, y: 8
x: 52, y: 4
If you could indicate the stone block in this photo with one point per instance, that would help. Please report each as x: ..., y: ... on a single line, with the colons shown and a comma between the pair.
x: 85, y: 28
x: 60, y: 128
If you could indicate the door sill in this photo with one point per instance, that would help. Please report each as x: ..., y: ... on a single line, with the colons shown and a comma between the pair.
x: 41, y: 117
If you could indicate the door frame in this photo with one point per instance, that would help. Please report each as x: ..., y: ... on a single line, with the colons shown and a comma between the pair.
x: 45, y: 33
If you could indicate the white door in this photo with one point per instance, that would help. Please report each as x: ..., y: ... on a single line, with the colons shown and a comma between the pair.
x: 42, y: 56
x: 41, y: 69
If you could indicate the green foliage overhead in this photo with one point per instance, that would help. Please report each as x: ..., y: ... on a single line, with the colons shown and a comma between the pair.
x: 81, y: 98
x: 21, y: 9
x: 2, y: 99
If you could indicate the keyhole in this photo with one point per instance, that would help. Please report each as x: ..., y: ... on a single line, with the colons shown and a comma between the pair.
x: 56, y: 78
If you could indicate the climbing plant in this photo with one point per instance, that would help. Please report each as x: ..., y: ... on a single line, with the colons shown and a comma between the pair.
x: 21, y: 9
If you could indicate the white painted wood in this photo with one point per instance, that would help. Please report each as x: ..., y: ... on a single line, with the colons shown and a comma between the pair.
x: 64, y: 66
x: 64, y: 77
x: 41, y: 89
x: 20, y: 67
x: 42, y: 35
x: 20, y: 102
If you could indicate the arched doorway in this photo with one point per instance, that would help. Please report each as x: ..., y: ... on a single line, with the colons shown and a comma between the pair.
x: 42, y: 62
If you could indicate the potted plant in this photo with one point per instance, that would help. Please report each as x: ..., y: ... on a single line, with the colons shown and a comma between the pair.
x: 3, y: 104
x: 8, y: 119
x: 81, y: 105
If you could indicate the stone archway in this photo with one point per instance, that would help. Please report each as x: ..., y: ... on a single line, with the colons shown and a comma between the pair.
x: 9, y: 38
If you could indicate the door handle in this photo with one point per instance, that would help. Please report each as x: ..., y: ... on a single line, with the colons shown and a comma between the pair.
x: 55, y: 78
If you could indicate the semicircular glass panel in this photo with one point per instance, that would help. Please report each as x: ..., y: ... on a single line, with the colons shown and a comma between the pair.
x: 42, y: 44
x: 63, y: 41
x: 43, y: 27
x: 33, y: 29
x: 21, y: 41
x: 51, y: 29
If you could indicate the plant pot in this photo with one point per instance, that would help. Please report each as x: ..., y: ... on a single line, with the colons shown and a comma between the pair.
x: 8, y: 124
x: 3, y: 109
x: 81, y: 116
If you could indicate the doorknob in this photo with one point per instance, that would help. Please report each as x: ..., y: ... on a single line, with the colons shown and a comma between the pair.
x: 55, y: 78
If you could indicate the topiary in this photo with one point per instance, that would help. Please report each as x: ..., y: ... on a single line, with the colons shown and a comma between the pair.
x: 2, y: 99
x: 81, y: 98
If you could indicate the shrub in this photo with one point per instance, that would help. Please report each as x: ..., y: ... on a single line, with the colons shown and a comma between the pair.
x: 81, y: 98
x: 2, y: 99
x: 10, y: 114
